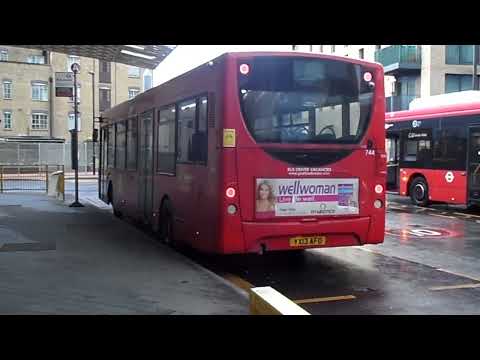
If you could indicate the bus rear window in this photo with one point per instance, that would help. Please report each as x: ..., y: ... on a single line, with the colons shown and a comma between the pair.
x: 304, y: 100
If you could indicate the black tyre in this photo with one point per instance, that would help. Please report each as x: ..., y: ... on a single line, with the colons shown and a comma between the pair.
x: 166, y: 224
x: 419, y: 192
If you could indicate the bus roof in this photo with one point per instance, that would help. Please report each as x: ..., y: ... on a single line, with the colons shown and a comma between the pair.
x: 434, y: 111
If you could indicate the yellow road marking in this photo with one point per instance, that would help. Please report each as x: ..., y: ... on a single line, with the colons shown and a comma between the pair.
x: 452, y: 287
x: 325, y: 299
x: 238, y: 281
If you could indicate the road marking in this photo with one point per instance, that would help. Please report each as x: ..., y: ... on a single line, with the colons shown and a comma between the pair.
x: 458, y: 274
x: 453, y: 287
x: 444, y: 216
x: 325, y: 299
x: 238, y: 281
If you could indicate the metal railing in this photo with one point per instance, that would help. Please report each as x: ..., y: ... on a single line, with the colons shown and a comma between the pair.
x: 31, y: 178
x: 403, y: 54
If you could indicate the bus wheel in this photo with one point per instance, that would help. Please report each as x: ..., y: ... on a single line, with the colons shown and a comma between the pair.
x: 166, y: 224
x: 419, y: 191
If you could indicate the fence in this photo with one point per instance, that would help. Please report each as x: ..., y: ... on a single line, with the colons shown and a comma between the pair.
x: 48, y: 154
x: 29, y: 178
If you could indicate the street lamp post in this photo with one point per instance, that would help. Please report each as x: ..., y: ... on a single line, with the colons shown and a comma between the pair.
x: 75, y: 68
x: 93, y: 117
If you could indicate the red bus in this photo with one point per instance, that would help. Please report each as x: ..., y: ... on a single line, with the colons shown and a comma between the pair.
x: 253, y: 152
x: 434, y: 154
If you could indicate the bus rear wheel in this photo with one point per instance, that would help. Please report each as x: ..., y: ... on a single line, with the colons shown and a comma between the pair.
x: 419, y: 192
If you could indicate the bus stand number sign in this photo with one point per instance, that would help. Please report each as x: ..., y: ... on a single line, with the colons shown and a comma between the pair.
x: 64, y: 84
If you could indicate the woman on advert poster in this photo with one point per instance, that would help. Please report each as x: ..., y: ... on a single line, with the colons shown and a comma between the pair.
x: 265, y: 198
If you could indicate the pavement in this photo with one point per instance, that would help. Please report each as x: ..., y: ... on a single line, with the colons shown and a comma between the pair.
x: 60, y: 260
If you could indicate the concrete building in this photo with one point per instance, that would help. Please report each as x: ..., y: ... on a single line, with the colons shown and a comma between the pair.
x: 412, y: 71
x: 29, y: 109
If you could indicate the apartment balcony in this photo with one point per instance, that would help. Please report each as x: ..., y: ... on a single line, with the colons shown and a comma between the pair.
x: 398, y: 103
x: 400, y: 59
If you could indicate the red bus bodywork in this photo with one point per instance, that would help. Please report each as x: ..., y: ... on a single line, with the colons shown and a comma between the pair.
x: 445, y: 184
x: 198, y: 192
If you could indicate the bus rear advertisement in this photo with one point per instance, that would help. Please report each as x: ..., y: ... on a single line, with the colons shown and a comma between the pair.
x: 253, y: 152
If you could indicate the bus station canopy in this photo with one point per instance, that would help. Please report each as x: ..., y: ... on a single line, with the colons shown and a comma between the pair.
x: 144, y: 56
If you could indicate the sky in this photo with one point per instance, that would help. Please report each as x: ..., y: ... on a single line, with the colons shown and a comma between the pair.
x: 186, y: 57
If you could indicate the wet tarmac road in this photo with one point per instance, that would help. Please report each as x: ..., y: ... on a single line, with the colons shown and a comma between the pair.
x: 428, y: 264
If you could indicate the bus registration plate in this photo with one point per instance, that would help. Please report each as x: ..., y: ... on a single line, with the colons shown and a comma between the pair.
x: 307, y: 241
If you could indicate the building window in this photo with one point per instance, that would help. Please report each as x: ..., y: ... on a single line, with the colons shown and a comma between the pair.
x: 3, y: 55
x: 166, y: 140
x: 332, y: 47
x: 71, y: 121
x: 7, y: 89
x: 105, y: 75
x: 459, y: 54
x: 132, y: 92
x: 36, y: 59
x: 378, y: 47
x: 133, y: 72
x: 7, y: 120
x: 104, y: 99
x: 454, y: 83
x: 39, y: 91
x: 72, y: 59
x: 132, y: 136
x: 39, y: 121
x: 147, y: 80
x: 361, y: 53
x: 294, y: 47
x: 321, y: 48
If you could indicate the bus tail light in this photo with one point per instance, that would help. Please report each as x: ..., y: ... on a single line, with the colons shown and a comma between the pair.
x: 379, y: 189
x: 378, y: 204
x: 230, y: 192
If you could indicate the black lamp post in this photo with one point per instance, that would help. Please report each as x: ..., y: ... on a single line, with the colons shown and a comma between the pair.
x: 75, y: 68
x: 93, y: 117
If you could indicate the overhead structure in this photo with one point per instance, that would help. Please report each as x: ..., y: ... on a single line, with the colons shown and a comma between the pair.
x: 144, y: 56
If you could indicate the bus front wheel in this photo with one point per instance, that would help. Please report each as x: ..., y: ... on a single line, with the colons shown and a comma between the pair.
x: 419, y: 192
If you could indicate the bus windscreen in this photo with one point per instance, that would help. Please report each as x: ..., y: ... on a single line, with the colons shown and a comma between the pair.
x: 304, y: 100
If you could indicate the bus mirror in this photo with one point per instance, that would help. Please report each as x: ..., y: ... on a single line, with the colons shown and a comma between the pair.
x: 95, y: 135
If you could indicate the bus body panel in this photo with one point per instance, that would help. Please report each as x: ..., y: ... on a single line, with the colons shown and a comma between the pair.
x: 248, y: 161
x: 447, y: 175
x: 444, y: 185
x: 198, y: 192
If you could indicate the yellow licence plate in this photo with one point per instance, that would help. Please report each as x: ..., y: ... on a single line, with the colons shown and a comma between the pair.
x: 307, y: 241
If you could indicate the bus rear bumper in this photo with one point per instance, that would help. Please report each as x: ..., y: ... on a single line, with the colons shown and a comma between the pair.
x: 272, y: 236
